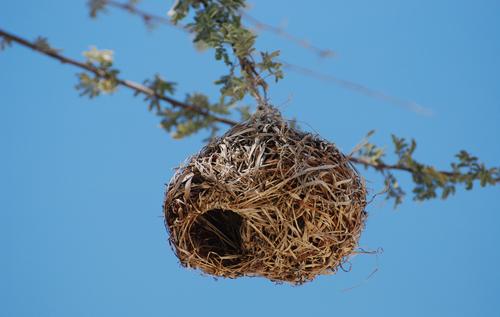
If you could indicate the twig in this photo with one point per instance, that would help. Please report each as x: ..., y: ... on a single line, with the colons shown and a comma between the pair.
x: 138, y: 88
x: 259, y: 25
x: 410, y: 105
x: 146, y: 16
x: 383, y: 166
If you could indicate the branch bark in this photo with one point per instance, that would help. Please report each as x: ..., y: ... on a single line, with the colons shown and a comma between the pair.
x: 138, y: 88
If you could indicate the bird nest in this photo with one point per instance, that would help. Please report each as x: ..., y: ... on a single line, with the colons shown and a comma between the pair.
x: 267, y: 200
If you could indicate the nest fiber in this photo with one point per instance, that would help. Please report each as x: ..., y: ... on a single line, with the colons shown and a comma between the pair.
x: 267, y: 200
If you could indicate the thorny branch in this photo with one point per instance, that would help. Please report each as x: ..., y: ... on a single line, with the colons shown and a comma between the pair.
x: 151, y: 19
x: 259, y: 25
x: 136, y: 87
x: 409, y: 105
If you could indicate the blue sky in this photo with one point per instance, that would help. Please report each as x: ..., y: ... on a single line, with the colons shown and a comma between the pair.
x: 82, y: 181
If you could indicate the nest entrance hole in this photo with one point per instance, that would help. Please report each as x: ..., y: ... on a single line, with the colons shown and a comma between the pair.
x: 218, y: 232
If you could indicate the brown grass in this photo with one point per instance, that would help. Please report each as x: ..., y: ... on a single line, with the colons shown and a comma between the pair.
x: 267, y: 200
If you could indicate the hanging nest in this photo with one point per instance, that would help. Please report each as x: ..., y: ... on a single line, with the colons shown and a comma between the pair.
x: 267, y: 200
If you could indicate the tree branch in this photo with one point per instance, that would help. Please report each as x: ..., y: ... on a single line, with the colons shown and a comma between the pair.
x: 380, y: 166
x: 149, y: 18
x: 138, y: 88
x: 358, y: 88
x: 141, y: 89
x: 361, y: 89
x: 146, y: 16
x: 259, y: 25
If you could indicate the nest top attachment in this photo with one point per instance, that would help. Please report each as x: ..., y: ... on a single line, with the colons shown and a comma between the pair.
x: 267, y: 200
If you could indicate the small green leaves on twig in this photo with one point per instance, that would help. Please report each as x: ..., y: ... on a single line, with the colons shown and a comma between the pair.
x: 269, y: 64
x: 160, y: 88
x: 217, y: 24
x: 104, y: 80
x: 93, y: 86
x: 428, y: 181
x: 392, y: 188
x: 182, y: 122
x: 99, y: 76
x: 468, y: 169
x: 232, y: 86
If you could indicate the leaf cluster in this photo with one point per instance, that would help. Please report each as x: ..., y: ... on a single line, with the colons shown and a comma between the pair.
x: 182, y: 122
x: 104, y: 80
x: 428, y: 182
x: 217, y: 24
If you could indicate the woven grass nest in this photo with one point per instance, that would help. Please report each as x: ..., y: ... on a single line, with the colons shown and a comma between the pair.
x: 267, y: 200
